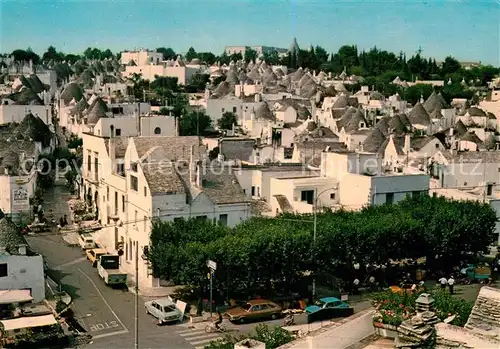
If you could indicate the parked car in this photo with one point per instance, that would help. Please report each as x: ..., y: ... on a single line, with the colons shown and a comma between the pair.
x: 253, y: 310
x: 405, y: 288
x: 94, y: 254
x: 86, y: 241
x: 326, y: 303
x: 164, y: 310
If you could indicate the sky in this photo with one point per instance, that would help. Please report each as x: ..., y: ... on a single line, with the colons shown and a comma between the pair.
x: 466, y: 29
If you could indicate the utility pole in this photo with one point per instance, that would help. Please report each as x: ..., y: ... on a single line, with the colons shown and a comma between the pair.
x: 212, y: 266
x: 136, y: 346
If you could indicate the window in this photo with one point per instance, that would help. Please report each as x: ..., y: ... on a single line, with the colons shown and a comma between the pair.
x: 253, y: 191
x: 157, y: 131
x: 3, y: 270
x: 133, y: 166
x: 332, y: 196
x: 307, y: 196
x: 234, y: 109
x: 223, y: 110
x: 389, y: 198
x: 89, y: 164
x: 107, y: 193
x: 120, y: 169
x: 134, y: 183
x: 437, y: 145
x: 489, y: 189
x: 258, y: 192
x: 223, y: 219
x: 118, y: 132
x: 123, y: 203
x: 96, y: 164
x: 145, y: 191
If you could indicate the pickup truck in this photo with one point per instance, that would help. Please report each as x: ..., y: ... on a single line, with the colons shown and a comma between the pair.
x: 108, y: 269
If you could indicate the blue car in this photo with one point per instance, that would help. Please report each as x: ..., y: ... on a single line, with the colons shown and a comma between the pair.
x: 325, y: 303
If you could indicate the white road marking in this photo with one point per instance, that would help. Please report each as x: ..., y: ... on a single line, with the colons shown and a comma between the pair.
x: 105, y: 302
x: 76, y: 261
x: 110, y: 334
x: 207, y: 335
x: 184, y: 331
x: 204, y: 341
x: 191, y: 333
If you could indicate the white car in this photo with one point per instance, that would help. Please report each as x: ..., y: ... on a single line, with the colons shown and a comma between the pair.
x: 86, y: 241
x: 164, y: 310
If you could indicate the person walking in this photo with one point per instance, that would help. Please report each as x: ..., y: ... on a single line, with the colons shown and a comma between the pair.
x: 451, y: 282
x: 443, y: 283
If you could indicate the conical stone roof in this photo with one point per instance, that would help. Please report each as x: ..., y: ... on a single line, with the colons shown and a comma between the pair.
x: 418, y: 115
x: 263, y: 112
x: 72, y: 90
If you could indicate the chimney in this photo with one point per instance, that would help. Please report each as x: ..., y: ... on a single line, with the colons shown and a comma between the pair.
x: 22, y: 249
x: 192, y: 167
x: 257, y: 98
x: 407, y: 144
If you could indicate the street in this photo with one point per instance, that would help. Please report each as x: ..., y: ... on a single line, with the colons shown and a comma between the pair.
x: 108, y: 314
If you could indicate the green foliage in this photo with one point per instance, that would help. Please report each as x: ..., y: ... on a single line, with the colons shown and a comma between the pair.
x: 197, y: 83
x: 60, y: 306
x: 95, y: 53
x: 75, y: 142
x: 250, y: 55
x: 1, y: 214
x: 261, y: 254
x: 52, y: 54
x: 194, y: 123
x: 26, y: 56
x: 168, y: 53
x: 273, y: 337
x: 227, y: 121
x: 447, y: 305
x: 191, y: 54
x: 394, y: 308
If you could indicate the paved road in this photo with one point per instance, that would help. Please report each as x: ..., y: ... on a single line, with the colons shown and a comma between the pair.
x: 108, y: 314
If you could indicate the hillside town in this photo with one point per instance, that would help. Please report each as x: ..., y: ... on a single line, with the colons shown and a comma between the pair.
x: 286, y: 196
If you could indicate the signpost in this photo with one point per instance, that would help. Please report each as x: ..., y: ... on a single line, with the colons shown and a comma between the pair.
x: 213, y: 267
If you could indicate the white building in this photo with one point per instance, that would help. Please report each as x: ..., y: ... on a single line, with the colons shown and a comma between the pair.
x: 176, y: 69
x: 16, y: 113
x: 140, y: 179
x: 19, y: 268
x: 141, y: 57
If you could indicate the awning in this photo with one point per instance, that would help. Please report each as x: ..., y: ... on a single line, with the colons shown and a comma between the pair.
x: 28, y: 322
x: 15, y: 296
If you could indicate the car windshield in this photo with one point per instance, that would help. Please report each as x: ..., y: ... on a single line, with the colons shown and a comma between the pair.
x: 319, y: 303
x: 168, y: 308
x: 247, y: 306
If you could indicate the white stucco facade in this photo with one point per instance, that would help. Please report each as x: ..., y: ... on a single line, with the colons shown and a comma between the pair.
x: 16, y: 113
x: 24, y: 273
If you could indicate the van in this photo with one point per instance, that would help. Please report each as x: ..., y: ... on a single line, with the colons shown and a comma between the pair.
x: 86, y: 241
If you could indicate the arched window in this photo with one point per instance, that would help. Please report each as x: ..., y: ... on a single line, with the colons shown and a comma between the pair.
x: 157, y: 131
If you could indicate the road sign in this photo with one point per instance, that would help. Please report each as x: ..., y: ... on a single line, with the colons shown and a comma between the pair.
x: 212, y: 265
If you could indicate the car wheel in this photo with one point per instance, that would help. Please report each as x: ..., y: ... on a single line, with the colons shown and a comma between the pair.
x: 242, y: 320
x: 274, y: 316
x: 160, y: 322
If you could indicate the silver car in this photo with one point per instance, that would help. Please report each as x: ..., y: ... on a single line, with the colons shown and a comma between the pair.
x: 164, y: 310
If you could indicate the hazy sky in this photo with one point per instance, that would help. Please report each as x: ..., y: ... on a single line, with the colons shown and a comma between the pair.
x: 466, y: 29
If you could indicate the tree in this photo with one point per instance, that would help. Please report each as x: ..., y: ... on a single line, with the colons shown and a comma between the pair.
x: 227, y: 121
x: 52, y: 54
x: 197, y: 83
x: 271, y: 58
x: 207, y: 57
x: 25, y: 56
x: 168, y: 53
x: 250, y: 55
x: 191, y: 54
x: 450, y: 66
x: 194, y: 123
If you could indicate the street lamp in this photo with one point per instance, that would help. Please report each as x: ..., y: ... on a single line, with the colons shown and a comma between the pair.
x: 315, y: 222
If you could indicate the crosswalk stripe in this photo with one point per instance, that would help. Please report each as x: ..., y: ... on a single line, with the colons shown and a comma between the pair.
x: 185, y: 331
x: 200, y: 347
x: 207, y: 335
x: 204, y: 341
x: 192, y: 333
